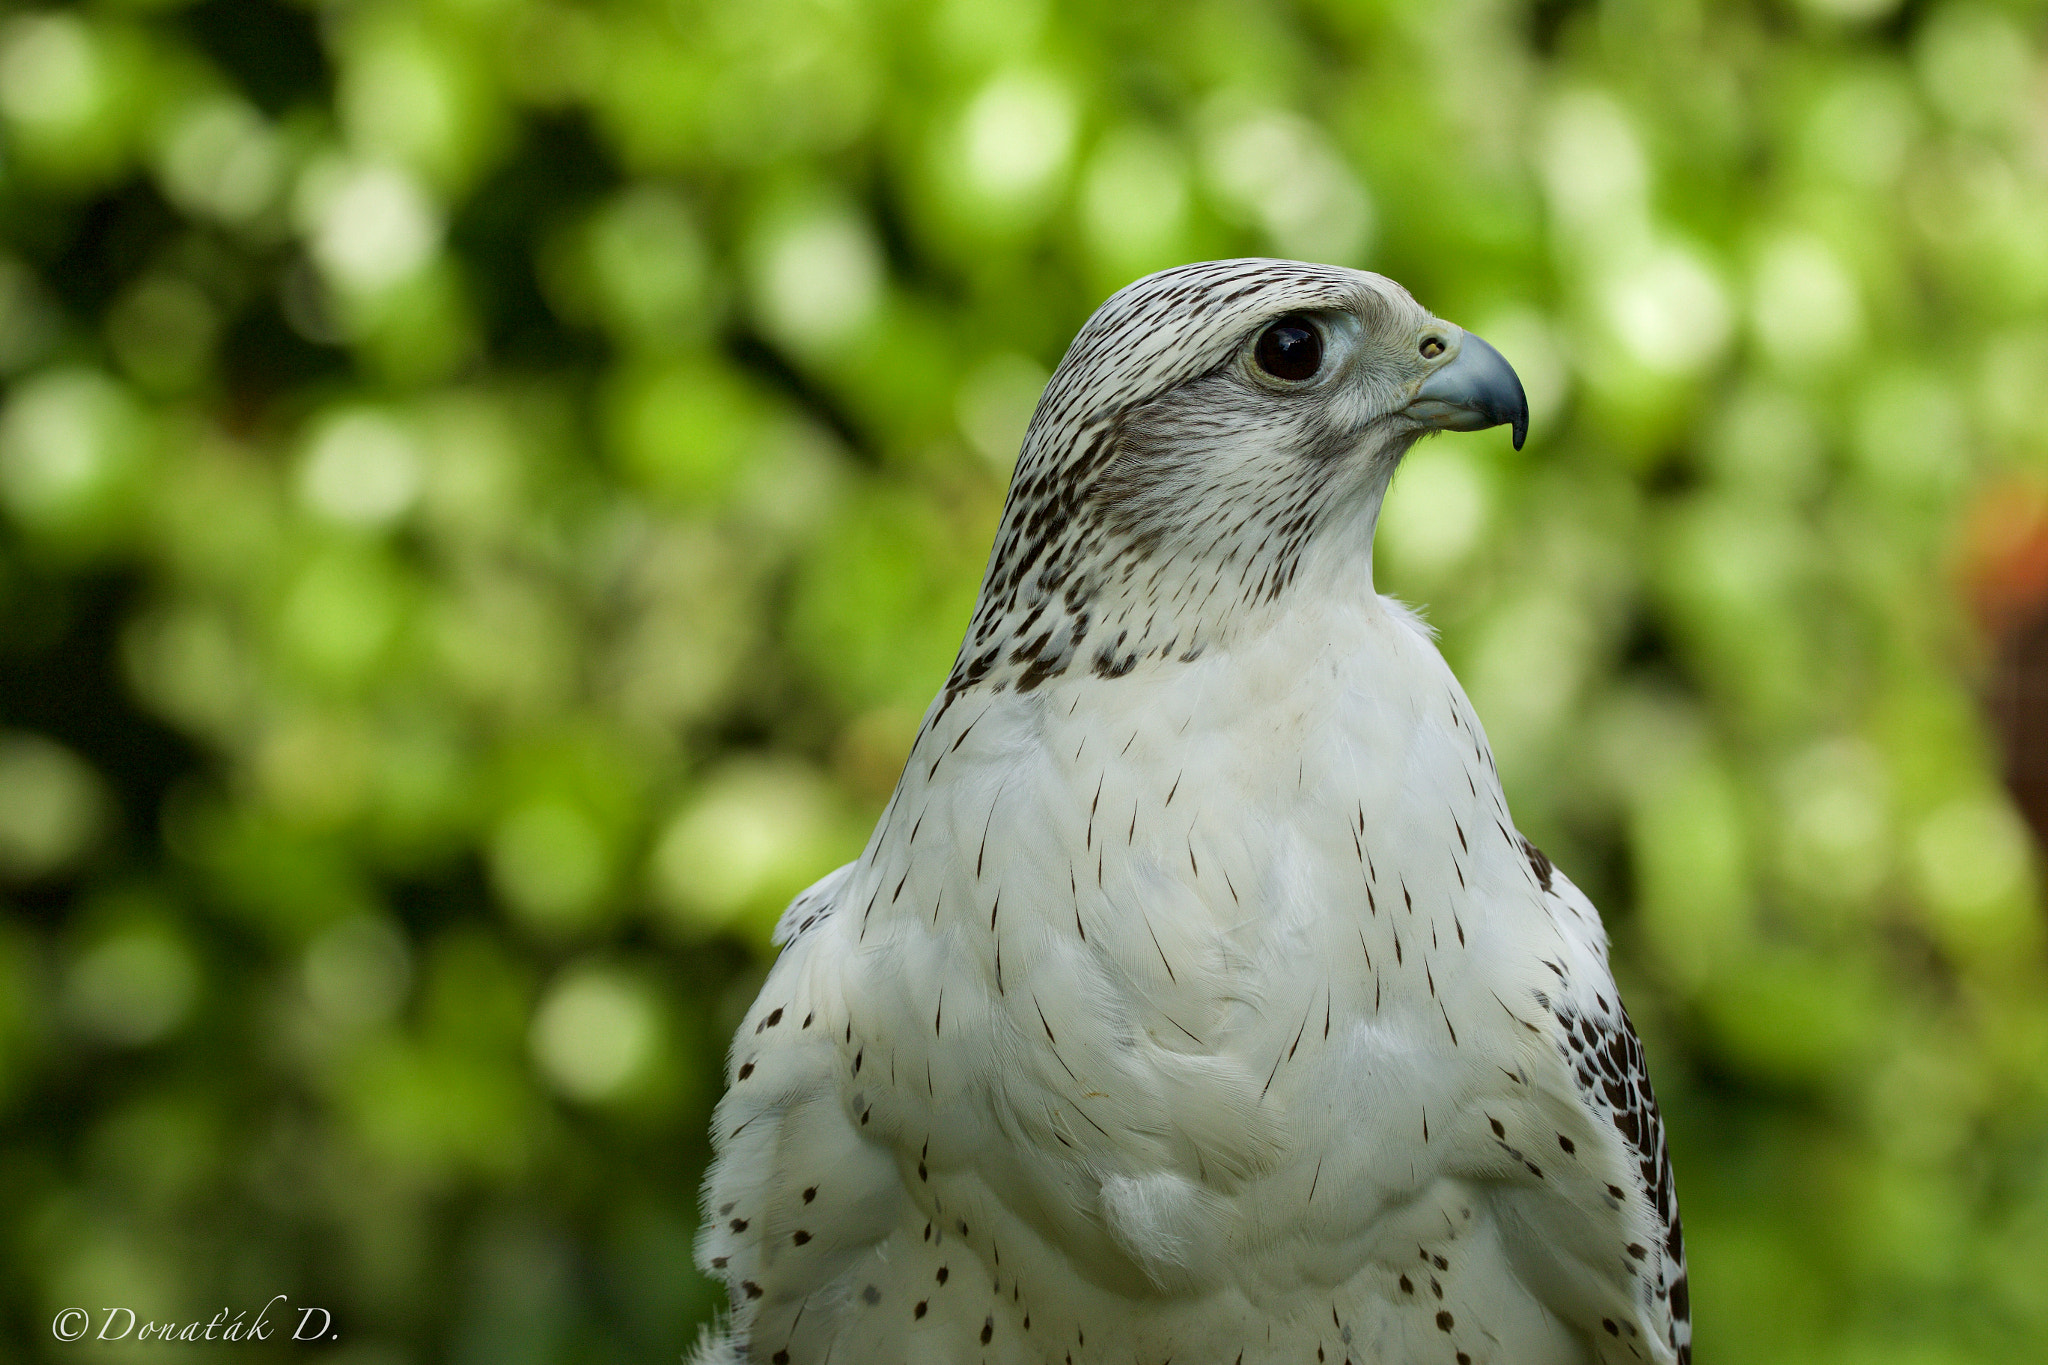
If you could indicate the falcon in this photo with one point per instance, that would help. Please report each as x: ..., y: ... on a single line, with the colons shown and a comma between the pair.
x: 1196, y: 998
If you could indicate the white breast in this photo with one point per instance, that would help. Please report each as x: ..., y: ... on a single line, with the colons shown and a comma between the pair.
x: 1174, y: 987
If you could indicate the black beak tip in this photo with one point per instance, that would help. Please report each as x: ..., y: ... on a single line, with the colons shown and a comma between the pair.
x: 1517, y: 414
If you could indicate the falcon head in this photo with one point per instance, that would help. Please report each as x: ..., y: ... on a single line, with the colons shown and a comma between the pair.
x: 1210, y: 427
x: 1344, y: 353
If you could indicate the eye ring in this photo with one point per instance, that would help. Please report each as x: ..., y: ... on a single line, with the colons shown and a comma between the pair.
x: 1290, y: 348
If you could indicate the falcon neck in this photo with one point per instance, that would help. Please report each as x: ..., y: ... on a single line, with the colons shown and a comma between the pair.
x: 1110, y: 611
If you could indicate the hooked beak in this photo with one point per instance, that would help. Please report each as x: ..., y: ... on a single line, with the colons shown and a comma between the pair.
x: 1475, y: 389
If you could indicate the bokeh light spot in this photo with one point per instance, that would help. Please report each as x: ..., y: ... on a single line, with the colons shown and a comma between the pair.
x: 1595, y: 174
x: 1971, y: 856
x: 1279, y: 171
x: 595, y: 1034
x: 52, y: 806
x: 1134, y: 201
x: 818, y: 280
x: 134, y: 986
x: 371, y: 226
x: 1015, y: 139
x: 744, y: 843
x: 995, y: 404
x: 69, y: 440
x: 50, y: 73
x: 549, y: 861
x: 1669, y: 311
x: 163, y: 332
x: 1435, y: 512
x: 362, y: 468
x: 220, y: 159
x: 357, y: 972
x: 1804, y: 305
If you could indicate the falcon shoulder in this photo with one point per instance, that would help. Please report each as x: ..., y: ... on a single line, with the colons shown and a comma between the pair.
x: 795, y: 1197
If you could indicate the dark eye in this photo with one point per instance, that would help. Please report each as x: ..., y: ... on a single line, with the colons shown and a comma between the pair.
x: 1290, y: 348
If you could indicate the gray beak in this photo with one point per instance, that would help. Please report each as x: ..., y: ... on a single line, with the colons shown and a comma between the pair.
x: 1478, y: 389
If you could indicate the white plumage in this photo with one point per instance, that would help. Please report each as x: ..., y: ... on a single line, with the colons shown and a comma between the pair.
x: 1195, y: 998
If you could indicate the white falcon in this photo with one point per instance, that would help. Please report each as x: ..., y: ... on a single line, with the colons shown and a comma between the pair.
x: 1195, y: 999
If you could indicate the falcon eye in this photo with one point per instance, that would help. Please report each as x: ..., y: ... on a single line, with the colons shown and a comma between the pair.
x: 1291, y: 348
x: 1432, y: 347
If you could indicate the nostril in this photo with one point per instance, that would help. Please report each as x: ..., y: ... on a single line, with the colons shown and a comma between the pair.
x: 1432, y: 347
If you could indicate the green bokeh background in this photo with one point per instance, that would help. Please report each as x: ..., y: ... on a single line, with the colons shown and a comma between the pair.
x: 487, y: 488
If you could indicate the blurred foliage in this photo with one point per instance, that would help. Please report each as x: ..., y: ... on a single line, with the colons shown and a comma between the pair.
x: 487, y: 488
